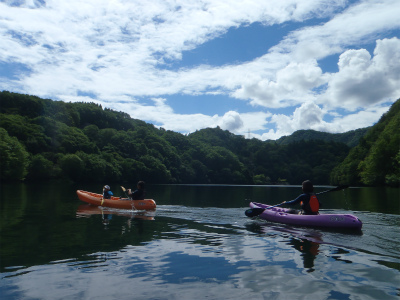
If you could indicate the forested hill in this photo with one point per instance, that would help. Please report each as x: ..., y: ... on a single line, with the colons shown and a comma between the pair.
x: 41, y: 139
x: 376, y: 159
x: 350, y: 138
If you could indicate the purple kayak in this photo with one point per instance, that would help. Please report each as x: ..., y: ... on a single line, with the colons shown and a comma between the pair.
x: 281, y: 215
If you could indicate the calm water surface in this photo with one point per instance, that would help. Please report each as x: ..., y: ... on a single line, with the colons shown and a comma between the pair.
x: 198, y: 244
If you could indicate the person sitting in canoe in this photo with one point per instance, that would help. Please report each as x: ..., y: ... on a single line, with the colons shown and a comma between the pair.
x: 107, y: 192
x: 139, y: 193
x: 308, y: 200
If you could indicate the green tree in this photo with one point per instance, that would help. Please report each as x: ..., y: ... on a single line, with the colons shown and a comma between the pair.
x: 72, y: 165
x: 133, y: 170
x: 92, y: 132
x: 27, y: 132
x: 14, y: 157
x: 373, y: 160
x: 95, y: 167
x: 200, y: 172
x: 40, y: 168
x: 155, y: 169
x: 114, y: 170
x: 393, y: 179
x: 261, y: 179
x: 379, y: 161
x: 85, y: 142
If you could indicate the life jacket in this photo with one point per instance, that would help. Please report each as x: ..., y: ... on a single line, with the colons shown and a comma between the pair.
x: 312, y: 205
x: 107, y: 194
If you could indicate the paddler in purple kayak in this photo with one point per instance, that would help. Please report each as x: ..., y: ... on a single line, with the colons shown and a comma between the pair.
x: 308, y: 200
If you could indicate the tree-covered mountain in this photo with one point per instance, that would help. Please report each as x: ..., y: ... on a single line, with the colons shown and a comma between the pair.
x: 376, y: 159
x: 350, y: 138
x: 42, y: 139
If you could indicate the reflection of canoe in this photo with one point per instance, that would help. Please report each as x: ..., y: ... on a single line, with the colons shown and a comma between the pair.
x: 281, y: 215
x: 87, y: 210
x: 115, y: 202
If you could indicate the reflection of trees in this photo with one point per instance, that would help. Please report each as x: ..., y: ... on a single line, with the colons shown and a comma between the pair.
x: 48, y: 232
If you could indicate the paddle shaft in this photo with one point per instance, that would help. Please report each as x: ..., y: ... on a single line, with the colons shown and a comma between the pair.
x: 275, y: 205
x: 124, y: 189
x: 338, y: 188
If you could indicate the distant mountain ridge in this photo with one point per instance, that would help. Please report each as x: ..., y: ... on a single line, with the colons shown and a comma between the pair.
x: 350, y: 138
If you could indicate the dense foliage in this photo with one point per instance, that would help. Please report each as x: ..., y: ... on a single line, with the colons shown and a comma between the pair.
x: 350, y: 138
x: 41, y: 139
x: 376, y: 159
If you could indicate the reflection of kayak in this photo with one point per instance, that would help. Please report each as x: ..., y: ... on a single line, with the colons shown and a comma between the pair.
x: 309, y: 234
x: 115, y: 202
x: 86, y: 210
x: 281, y: 215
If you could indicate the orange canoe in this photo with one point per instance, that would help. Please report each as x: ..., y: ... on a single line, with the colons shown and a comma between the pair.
x: 116, y: 202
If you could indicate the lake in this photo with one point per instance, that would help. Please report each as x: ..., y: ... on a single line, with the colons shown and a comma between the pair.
x: 198, y: 244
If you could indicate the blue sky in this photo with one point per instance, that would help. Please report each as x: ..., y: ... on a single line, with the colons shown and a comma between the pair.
x: 265, y: 67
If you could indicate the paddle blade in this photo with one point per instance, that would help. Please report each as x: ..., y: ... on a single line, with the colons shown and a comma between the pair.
x: 254, y: 212
x: 123, y: 189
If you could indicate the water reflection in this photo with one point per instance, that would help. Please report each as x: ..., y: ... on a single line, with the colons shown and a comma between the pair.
x: 309, y: 251
x: 306, y: 241
x: 55, y: 248
x: 133, y: 218
x: 87, y: 210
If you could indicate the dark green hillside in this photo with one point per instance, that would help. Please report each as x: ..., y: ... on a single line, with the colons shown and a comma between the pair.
x: 41, y: 139
x: 376, y: 160
x: 350, y: 138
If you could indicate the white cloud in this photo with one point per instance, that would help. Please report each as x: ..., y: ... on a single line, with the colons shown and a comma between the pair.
x: 122, y: 43
x: 362, y: 81
x: 302, y: 48
x: 121, y: 50
x: 311, y: 116
x: 231, y: 121
x: 307, y: 116
x: 359, y: 24
x: 293, y: 84
x: 359, y: 119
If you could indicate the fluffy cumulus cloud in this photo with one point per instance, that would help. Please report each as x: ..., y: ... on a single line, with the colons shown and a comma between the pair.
x: 231, y: 121
x: 118, y: 52
x: 310, y: 116
x: 292, y: 85
x: 363, y: 79
x: 307, y: 116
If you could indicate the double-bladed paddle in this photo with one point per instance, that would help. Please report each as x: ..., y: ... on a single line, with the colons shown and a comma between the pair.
x: 256, y: 211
